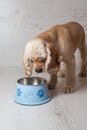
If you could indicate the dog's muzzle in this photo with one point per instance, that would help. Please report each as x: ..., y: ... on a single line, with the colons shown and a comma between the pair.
x: 38, y: 70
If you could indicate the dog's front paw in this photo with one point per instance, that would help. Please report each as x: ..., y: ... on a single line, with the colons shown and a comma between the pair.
x: 28, y: 71
x: 68, y: 90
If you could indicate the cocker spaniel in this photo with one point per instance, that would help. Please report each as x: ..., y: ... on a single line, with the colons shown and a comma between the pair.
x: 56, y: 46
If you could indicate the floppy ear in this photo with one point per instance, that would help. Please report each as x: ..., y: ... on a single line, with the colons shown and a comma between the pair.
x: 27, y: 65
x: 51, y: 60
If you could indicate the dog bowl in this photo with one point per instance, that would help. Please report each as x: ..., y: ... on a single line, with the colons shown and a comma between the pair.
x: 32, y: 91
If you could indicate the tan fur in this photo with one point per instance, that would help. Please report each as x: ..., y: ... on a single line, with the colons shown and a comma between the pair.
x: 57, y: 44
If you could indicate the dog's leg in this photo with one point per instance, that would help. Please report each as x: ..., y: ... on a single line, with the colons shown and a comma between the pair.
x: 70, y: 76
x: 53, y: 81
x: 61, y: 72
x: 83, y: 52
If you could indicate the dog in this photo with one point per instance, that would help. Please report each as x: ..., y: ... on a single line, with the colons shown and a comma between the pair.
x: 50, y: 49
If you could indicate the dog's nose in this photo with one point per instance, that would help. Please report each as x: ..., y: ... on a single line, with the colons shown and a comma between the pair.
x: 38, y: 70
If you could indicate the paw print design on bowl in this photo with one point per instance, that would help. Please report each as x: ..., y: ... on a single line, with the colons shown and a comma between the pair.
x: 18, y: 92
x: 32, y: 91
x: 40, y: 93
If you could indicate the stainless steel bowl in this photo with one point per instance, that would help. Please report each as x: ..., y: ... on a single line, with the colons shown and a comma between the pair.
x: 32, y: 91
x: 32, y: 81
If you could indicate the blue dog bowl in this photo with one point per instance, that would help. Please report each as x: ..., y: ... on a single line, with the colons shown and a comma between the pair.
x: 32, y: 91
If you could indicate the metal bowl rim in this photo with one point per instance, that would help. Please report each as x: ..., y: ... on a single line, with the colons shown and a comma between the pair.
x: 31, y: 84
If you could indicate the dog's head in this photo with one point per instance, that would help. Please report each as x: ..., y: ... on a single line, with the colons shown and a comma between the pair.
x: 40, y: 56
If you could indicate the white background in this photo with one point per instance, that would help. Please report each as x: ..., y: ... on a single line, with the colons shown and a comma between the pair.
x: 22, y: 20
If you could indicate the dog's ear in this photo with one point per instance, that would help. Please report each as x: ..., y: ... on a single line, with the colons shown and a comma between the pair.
x: 27, y: 65
x: 51, y: 60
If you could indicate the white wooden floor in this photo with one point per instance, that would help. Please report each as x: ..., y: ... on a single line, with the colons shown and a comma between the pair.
x: 63, y: 112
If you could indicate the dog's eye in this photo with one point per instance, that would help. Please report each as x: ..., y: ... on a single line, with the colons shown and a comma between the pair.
x: 41, y: 60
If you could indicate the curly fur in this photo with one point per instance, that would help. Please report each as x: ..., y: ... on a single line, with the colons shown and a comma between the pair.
x: 35, y: 48
x: 49, y: 49
x: 38, y: 48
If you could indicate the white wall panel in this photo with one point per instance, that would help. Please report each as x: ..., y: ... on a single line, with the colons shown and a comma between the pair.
x: 21, y: 20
